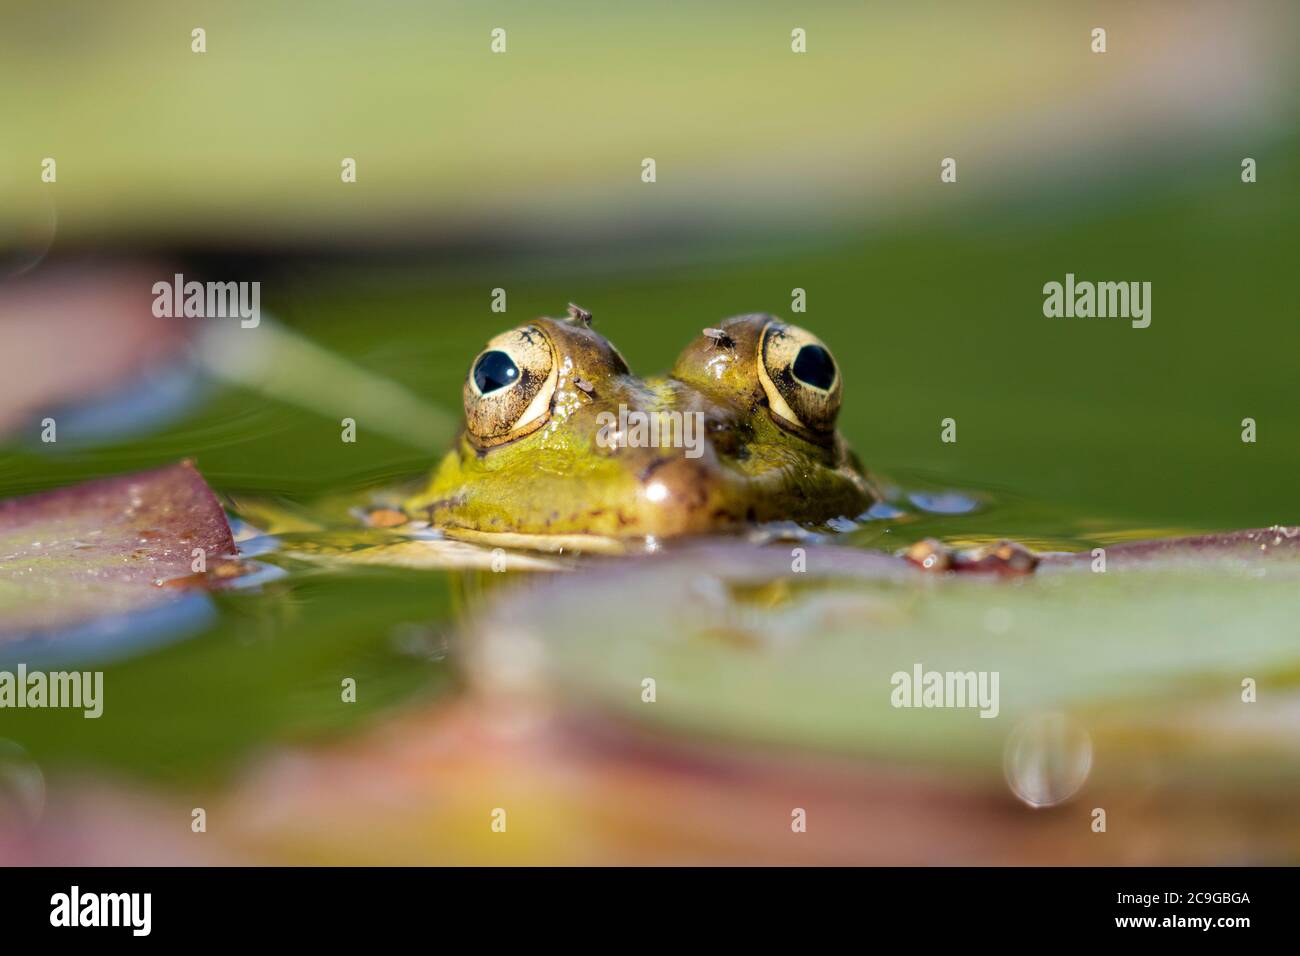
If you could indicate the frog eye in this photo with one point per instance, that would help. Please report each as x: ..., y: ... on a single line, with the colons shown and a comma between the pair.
x: 800, y: 378
x: 509, y: 388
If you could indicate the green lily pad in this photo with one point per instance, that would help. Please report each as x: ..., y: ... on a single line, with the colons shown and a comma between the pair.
x: 105, y: 548
x: 743, y: 647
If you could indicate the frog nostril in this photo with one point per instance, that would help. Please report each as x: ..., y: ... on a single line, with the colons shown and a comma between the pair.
x: 494, y: 370
x: 814, y: 366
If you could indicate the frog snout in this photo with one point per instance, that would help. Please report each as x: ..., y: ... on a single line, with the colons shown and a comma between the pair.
x: 681, y: 494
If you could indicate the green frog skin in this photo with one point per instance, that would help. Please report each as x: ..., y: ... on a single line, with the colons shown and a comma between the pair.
x: 543, y: 457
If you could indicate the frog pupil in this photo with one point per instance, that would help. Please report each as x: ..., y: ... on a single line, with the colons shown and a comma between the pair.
x: 814, y: 366
x: 494, y: 370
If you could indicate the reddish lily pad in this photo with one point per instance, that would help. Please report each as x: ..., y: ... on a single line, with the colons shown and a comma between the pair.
x: 104, y: 548
x: 78, y: 334
x: 1225, y: 547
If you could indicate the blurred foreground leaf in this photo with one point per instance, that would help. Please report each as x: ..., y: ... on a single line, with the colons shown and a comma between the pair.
x: 742, y: 648
x: 773, y: 696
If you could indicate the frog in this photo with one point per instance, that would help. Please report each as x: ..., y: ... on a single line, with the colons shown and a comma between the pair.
x: 563, y: 447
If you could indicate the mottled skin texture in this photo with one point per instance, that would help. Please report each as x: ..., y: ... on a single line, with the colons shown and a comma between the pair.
x: 557, y: 480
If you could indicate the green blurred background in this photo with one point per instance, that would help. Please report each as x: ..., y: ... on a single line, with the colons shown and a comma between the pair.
x: 775, y: 171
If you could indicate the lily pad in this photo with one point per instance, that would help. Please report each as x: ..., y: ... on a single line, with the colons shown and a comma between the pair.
x: 742, y: 647
x: 103, y: 549
x: 88, y: 343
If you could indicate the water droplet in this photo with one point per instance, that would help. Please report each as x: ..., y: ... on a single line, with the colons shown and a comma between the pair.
x: 1047, y: 759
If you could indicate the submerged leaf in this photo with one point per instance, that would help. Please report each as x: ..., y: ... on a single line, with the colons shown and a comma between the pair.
x: 105, y: 547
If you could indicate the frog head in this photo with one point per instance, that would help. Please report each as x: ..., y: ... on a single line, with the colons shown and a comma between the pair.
x: 563, y: 443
